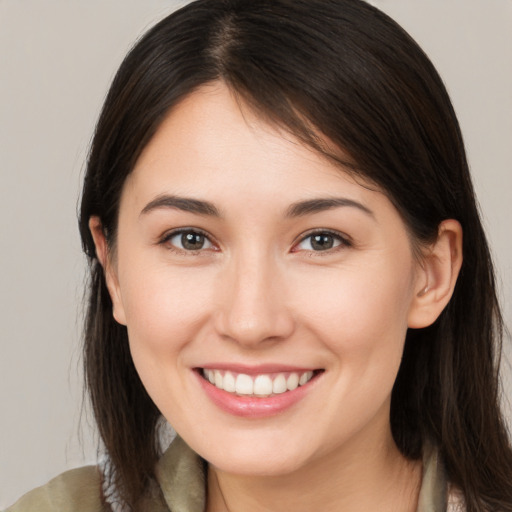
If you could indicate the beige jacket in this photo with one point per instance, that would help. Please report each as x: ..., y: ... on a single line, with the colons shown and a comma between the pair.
x: 180, y: 475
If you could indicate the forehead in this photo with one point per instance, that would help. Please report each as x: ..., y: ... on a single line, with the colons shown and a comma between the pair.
x: 212, y: 138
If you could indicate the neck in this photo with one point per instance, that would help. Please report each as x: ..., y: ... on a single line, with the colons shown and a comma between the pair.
x: 348, y: 480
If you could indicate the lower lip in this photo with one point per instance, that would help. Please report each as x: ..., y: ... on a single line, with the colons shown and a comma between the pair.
x: 254, y: 407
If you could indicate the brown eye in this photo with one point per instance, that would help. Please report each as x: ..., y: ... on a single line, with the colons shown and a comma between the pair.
x: 192, y: 241
x: 321, y: 241
x: 189, y: 240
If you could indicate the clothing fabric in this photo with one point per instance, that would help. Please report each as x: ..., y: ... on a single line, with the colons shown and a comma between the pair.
x: 182, y: 487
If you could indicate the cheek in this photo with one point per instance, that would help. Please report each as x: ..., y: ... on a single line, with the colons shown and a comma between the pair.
x: 361, y: 317
x: 165, y: 310
x: 357, y: 303
x: 165, y: 313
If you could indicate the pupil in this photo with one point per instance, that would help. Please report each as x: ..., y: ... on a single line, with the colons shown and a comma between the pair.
x: 322, y: 242
x: 192, y: 241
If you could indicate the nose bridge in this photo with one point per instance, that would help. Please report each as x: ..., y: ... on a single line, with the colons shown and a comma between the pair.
x: 255, y: 307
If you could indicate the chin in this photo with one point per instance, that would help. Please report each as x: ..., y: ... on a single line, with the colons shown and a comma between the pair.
x: 258, y: 457
x: 255, y: 465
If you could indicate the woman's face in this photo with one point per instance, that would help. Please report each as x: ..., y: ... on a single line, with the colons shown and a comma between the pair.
x: 246, y: 258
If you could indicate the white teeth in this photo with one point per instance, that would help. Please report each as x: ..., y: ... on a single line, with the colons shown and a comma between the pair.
x: 261, y: 385
x: 292, y: 382
x: 229, y: 382
x: 305, y: 377
x: 244, y: 384
x: 279, y: 384
x: 218, y: 380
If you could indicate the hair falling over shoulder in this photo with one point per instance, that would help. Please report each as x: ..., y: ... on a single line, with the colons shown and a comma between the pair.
x: 342, y: 69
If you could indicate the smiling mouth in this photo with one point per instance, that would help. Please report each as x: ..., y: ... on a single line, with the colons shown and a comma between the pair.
x: 261, y: 385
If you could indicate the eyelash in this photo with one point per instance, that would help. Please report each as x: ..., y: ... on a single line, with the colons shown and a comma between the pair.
x: 343, y: 240
x: 165, y: 240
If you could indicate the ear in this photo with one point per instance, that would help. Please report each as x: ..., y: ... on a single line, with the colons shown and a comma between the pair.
x: 439, y: 269
x: 109, y: 270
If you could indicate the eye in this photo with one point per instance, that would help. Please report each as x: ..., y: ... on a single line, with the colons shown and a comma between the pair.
x: 188, y: 240
x: 321, y: 241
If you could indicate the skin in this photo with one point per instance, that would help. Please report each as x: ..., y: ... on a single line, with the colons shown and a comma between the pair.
x: 258, y: 292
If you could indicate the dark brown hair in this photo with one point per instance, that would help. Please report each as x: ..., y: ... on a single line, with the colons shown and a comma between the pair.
x: 319, y: 68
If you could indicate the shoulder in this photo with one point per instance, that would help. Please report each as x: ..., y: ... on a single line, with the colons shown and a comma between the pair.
x: 78, y: 490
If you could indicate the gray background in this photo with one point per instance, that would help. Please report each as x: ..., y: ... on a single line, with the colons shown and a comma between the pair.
x: 57, y: 58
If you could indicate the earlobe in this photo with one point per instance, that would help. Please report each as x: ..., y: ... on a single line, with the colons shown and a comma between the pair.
x: 112, y: 282
x: 440, y: 268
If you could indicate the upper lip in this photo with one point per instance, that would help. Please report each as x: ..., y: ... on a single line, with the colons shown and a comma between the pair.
x: 256, y: 369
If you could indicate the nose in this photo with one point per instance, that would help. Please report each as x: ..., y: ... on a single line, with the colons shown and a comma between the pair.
x: 253, y: 307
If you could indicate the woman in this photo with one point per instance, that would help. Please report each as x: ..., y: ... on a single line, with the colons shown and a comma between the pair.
x: 287, y: 264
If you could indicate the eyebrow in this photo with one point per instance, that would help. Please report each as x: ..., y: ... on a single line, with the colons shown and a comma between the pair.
x: 185, y: 204
x: 297, y: 209
x: 322, y: 204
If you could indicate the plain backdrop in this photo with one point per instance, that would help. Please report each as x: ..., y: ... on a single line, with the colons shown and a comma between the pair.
x: 57, y: 58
